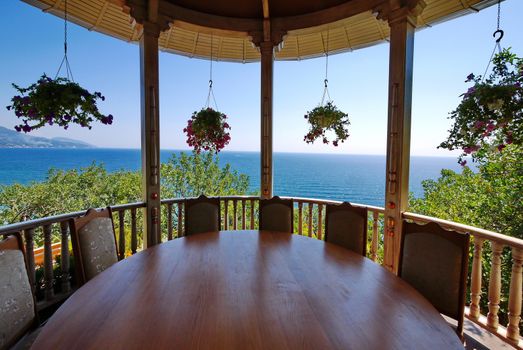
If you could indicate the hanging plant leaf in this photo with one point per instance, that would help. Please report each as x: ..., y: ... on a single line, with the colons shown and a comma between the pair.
x: 207, y: 131
x: 56, y: 101
x: 324, y: 118
x: 490, y: 115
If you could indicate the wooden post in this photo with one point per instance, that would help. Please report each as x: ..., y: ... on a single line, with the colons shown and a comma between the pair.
x: 475, y: 284
x: 267, y: 65
x: 150, y: 124
x: 494, y: 288
x: 402, y: 24
x: 514, y: 300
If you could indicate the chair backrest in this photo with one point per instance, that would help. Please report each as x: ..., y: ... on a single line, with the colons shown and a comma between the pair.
x: 94, y: 243
x: 346, y: 226
x: 276, y: 214
x: 435, y: 262
x: 17, y: 303
x: 202, y: 214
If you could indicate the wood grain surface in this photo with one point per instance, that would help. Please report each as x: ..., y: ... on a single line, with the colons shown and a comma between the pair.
x: 246, y: 290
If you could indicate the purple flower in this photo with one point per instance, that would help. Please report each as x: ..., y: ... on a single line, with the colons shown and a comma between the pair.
x: 500, y: 147
x: 517, y: 84
x: 469, y: 92
x: 490, y: 127
x: 470, y: 77
x: 479, y: 124
x: 18, y: 128
x: 8, y: 108
x: 463, y: 163
x: 26, y: 128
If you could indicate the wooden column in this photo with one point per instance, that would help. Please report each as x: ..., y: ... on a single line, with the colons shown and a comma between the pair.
x: 402, y: 25
x: 150, y: 125
x: 267, y: 63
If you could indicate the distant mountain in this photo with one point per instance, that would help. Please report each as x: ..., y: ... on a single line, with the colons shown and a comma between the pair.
x: 13, y: 139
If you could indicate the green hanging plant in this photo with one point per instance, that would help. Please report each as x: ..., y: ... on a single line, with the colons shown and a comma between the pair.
x: 57, y: 101
x: 324, y: 118
x: 490, y: 115
x: 207, y: 131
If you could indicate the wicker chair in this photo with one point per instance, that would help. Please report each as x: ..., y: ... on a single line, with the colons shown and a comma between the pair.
x: 94, y: 243
x: 435, y: 262
x: 346, y: 226
x: 18, y: 317
x: 202, y: 214
x: 276, y: 214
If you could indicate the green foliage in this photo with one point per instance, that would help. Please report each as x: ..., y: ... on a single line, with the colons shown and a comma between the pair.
x: 491, y: 112
x: 67, y: 191
x: 324, y: 118
x: 56, y: 101
x: 490, y: 199
x: 191, y: 175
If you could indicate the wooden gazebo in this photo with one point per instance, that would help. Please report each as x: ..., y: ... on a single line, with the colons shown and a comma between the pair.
x: 254, y: 30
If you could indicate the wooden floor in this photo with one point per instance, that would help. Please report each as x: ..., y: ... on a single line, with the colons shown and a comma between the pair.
x: 478, y: 338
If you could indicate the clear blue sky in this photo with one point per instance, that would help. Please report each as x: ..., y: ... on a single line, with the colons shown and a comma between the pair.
x: 444, y: 55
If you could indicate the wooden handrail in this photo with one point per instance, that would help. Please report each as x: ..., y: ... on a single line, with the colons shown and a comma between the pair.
x: 474, y: 231
x: 24, y: 225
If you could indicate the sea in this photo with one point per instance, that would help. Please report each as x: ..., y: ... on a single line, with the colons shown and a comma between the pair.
x: 354, y: 178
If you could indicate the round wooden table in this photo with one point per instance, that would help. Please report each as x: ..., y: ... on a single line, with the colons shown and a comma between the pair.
x: 246, y: 290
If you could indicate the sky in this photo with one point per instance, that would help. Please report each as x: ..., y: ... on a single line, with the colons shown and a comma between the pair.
x: 32, y: 44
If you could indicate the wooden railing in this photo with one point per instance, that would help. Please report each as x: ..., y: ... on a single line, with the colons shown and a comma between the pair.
x: 53, y: 234
x: 241, y: 212
x: 496, y: 243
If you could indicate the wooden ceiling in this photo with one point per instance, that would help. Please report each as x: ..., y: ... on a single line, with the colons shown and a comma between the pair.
x: 311, y: 27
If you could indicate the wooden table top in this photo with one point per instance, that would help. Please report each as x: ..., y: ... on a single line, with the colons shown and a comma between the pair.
x: 246, y: 290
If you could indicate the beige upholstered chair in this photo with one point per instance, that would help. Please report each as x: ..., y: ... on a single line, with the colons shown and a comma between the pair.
x: 94, y: 243
x: 202, y: 214
x: 276, y: 214
x: 435, y: 261
x: 346, y: 226
x: 17, y: 303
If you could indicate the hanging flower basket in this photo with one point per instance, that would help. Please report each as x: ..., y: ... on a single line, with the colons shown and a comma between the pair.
x: 491, y: 112
x: 207, y: 131
x: 57, y: 101
x: 324, y: 118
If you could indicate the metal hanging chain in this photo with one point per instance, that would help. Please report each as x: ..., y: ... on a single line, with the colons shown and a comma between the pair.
x: 211, y: 92
x: 497, y: 46
x: 68, y: 72
x: 326, y: 81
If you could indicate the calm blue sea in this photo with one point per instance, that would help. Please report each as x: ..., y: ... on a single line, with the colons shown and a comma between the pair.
x: 355, y: 178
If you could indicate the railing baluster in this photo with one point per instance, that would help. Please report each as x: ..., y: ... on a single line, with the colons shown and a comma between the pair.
x: 235, y: 214
x: 225, y: 214
x: 243, y: 214
x: 48, y: 263
x: 252, y: 214
x: 310, y: 219
x: 514, y: 301
x: 169, y: 221
x: 320, y: 221
x: 29, y: 248
x: 134, y: 231
x: 494, y: 286
x: 64, y: 258
x: 375, y: 236
x: 300, y: 218
x: 180, y: 220
x: 121, y: 239
x: 475, y: 284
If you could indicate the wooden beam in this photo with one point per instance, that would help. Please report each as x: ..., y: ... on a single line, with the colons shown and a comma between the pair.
x: 150, y: 130
x: 267, y: 67
x: 402, y: 29
x: 329, y: 15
